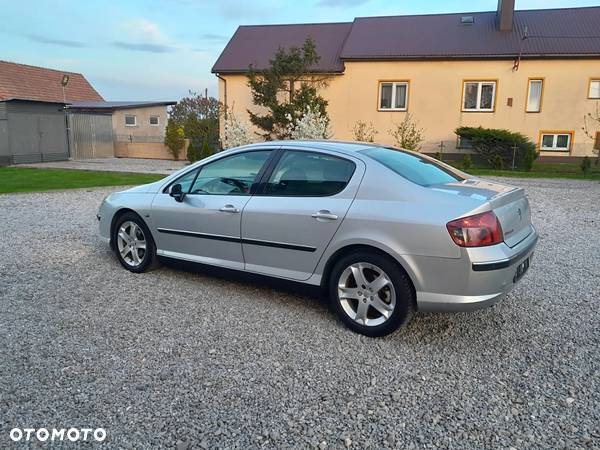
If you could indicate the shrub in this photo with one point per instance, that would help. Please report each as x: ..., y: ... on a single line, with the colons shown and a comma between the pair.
x: 467, y: 163
x: 364, y: 132
x: 174, y: 138
x: 193, y: 152
x: 497, y: 162
x: 586, y: 165
x: 407, y: 134
x: 496, y: 146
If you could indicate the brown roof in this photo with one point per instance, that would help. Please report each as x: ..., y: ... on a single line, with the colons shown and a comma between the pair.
x: 22, y: 82
x: 566, y: 32
x: 256, y: 45
x: 551, y: 32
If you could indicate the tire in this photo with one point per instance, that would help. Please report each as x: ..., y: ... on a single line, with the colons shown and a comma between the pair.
x: 127, y: 226
x: 377, y: 311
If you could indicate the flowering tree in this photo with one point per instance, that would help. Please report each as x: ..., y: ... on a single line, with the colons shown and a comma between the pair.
x: 312, y: 125
x: 236, y: 132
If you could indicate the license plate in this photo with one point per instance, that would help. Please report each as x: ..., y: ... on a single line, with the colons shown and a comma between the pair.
x: 521, y: 270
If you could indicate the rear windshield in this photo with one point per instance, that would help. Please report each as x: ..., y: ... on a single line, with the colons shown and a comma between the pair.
x: 413, y: 167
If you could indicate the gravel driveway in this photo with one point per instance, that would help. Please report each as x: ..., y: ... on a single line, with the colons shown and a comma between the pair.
x: 186, y: 360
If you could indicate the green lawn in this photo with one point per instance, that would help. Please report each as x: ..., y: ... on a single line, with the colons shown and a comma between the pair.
x: 28, y: 179
x: 540, y: 170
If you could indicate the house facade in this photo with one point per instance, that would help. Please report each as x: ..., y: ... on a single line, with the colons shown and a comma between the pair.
x: 536, y: 72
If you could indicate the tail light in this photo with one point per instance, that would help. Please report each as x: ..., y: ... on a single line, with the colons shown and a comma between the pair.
x: 476, y: 231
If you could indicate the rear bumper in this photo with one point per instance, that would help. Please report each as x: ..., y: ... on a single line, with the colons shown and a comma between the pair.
x: 487, y: 281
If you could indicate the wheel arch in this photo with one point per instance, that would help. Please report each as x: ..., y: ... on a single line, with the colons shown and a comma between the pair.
x: 352, y: 248
x: 115, y: 218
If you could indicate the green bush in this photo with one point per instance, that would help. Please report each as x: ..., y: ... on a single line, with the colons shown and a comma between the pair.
x: 586, y: 165
x: 193, y: 154
x: 467, y: 163
x: 497, y: 162
x: 496, y: 146
x: 174, y: 138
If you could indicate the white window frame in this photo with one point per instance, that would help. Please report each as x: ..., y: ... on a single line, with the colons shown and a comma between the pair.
x: 394, y: 84
x: 157, y: 121
x: 529, y: 82
x: 555, y: 135
x: 480, y: 84
x: 134, y: 120
x: 592, y: 81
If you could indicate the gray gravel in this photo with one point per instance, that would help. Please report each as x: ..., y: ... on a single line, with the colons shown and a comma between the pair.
x: 179, y: 359
x: 140, y: 165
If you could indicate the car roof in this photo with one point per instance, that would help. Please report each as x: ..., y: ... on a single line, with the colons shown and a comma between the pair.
x: 348, y: 147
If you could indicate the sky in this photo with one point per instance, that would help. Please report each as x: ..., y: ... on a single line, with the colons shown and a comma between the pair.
x: 161, y: 49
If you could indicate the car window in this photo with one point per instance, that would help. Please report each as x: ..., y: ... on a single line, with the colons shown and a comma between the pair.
x: 185, y: 181
x: 232, y: 175
x: 415, y: 168
x: 308, y: 174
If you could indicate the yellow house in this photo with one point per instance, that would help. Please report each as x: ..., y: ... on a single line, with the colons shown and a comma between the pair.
x: 532, y: 71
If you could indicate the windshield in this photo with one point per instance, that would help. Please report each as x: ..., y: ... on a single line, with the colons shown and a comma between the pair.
x: 415, y: 168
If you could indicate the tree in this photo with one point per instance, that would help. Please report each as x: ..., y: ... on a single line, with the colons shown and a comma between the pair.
x: 312, y: 125
x: 235, y: 132
x: 174, y: 138
x: 364, y: 132
x: 287, y: 89
x: 203, y: 107
x: 407, y: 134
x: 199, y: 117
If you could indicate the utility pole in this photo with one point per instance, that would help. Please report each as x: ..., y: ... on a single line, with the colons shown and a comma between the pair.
x: 514, y: 148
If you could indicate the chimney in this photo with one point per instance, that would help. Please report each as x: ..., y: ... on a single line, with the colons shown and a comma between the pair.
x: 506, y: 12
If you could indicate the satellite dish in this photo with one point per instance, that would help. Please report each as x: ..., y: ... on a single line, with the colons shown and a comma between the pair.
x: 65, y: 80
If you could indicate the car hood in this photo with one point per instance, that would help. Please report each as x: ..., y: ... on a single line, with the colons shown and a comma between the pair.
x: 144, y: 188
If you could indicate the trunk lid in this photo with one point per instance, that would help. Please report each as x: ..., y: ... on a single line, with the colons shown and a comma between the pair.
x: 508, y: 203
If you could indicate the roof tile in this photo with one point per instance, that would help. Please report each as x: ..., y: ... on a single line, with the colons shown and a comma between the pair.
x: 23, y: 82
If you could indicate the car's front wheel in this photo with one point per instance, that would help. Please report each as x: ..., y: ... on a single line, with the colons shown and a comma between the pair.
x: 133, y: 243
x: 371, y: 294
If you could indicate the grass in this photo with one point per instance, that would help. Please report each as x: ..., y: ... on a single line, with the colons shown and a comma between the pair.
x: 28, y: 179
x: 540, y: 170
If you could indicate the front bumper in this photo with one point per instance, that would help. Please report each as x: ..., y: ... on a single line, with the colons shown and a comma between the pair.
x: 486, y: 282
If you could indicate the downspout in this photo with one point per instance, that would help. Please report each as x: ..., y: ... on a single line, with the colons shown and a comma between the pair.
x: 224, y: 92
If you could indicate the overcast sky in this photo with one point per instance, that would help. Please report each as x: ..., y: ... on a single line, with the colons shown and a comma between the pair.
x: 160, y: 49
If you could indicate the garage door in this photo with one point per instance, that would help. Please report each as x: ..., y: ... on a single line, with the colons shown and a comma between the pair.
x: 92, y: 136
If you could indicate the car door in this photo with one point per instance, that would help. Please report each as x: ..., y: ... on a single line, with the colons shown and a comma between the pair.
x: 288, y: 224
x: 205, y: 226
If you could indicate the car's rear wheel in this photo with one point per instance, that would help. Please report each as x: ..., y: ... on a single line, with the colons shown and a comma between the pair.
x: 371, y: 293
x: 134, y: 245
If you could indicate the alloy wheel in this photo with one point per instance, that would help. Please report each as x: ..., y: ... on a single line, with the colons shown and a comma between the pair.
x: 366, y: 294
x: 131, y: 243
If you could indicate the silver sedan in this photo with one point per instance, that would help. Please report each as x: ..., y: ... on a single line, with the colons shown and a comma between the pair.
x: 384, y: 231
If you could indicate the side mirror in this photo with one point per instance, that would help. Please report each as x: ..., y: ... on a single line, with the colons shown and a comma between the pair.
x: 176, y: 192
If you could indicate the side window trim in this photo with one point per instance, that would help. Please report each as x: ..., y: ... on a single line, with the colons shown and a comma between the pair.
x: 198, y: 169
x: 281, y: 153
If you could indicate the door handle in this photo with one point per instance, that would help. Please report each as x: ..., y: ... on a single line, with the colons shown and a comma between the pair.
x: 324, y: 214
x: 229, y: 209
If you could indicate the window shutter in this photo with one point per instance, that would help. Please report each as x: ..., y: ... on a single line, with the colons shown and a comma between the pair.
x: 597, y: 141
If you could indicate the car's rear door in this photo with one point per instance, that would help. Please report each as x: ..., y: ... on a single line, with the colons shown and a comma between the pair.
x: 301, y: 202
x: 205, y: 226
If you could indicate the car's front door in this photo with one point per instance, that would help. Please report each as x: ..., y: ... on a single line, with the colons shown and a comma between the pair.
x: 288, y: 224
x: 205, y: 226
